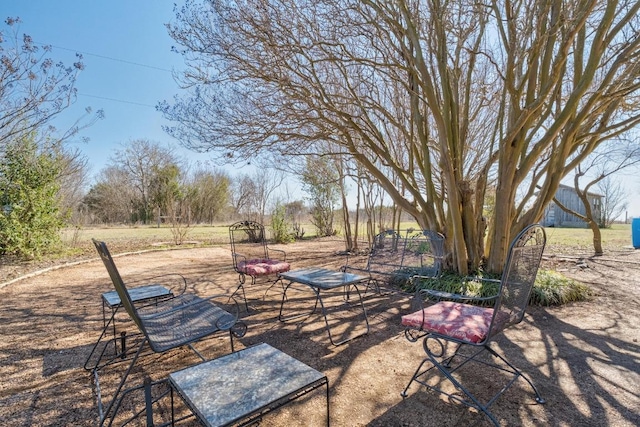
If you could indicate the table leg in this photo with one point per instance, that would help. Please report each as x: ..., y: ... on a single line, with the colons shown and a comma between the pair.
x: 326, y: 320
x: 296, y: 316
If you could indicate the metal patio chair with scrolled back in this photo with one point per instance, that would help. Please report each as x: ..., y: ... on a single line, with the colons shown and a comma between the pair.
x: 468, y: 322
x: 395, y: 257
x: 252, y: 257
x: 424, y: 255
x: 166, y: 324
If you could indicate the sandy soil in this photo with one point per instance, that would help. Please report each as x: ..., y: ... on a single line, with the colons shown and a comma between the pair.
x: 584, y: 357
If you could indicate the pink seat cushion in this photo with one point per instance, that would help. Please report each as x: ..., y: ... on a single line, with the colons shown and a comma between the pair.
x: 453, y: 319
x: 263, y: 267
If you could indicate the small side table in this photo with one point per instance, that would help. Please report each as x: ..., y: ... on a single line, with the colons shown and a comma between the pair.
x: 138, y: 295
x: 241, y: 387
x: 111, y: 301
x: 322, y: 279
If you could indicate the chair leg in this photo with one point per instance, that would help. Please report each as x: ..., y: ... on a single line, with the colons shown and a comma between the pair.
x: 415, y: 377
x: 115, y: 402
x: 447, y: 371
x: 474, y: 403
x: 241, y: 281
x: 372, y: 282
x: 518, y: 373
x: 103, y: 334
x: 148, y: 401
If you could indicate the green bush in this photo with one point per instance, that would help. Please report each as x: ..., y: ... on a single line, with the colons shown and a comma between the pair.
x: 30, y: 217
x: 280, y: 226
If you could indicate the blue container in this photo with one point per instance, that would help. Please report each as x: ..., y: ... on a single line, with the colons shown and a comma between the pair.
x: 635, y: 232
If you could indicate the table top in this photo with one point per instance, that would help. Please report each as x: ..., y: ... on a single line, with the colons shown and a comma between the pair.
x: 140, y: 293
x: 322, y: 278
x: 225, y: 390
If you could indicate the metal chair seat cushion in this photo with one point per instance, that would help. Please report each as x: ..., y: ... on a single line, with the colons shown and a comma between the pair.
x: 183, y: 319
x: 464, y: 322
x: 263, y: 267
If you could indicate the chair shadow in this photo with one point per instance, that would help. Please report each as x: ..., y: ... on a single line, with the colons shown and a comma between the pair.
x: 576, y: 374
x: 66, y: 359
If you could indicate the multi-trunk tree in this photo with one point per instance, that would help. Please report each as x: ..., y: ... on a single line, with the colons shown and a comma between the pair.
x: 438, y: 101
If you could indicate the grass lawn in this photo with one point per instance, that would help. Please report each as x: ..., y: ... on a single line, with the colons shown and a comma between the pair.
x: 619, y: 235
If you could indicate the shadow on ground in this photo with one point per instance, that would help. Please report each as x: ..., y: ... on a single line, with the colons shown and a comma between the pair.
x: 583, y: 357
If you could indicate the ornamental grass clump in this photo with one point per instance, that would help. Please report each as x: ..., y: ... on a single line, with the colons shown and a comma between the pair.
x: 550, y: 288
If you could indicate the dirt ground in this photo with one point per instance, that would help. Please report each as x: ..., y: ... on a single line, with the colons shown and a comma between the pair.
x: 583, y: 357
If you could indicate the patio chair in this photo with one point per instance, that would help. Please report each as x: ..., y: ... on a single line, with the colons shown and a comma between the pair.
x: 252, y: 256
x: 394, y: 259
x: 167, y: 324
x: 472, y: 323
x: 423, y: 255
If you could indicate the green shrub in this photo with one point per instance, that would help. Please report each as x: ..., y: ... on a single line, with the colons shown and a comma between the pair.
x: 30, y: 217
x: 280, y: 226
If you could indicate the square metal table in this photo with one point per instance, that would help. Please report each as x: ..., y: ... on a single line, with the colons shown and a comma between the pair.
x: 322, y: 279
x: 138, y: 295
x: 111, y: 301
x: 239, y: 388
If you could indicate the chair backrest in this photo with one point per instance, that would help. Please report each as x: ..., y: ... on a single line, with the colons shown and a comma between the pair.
x: 386, y: 253
x: 248, y: 238
x: 424, y: 253
x: 118, y: 283
x: 518, y: 277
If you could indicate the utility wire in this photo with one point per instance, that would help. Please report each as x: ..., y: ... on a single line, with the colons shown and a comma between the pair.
x: 117, y: 100
x: 107, y: 57
x: 111, y: 59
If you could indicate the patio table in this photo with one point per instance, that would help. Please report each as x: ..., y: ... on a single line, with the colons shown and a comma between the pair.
x: 322, y: 279
x: 111, y: 301
x: 241, y: 387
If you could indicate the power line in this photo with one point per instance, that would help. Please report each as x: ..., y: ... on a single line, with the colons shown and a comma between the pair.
x: 117, y: 100
x: 107, y: 57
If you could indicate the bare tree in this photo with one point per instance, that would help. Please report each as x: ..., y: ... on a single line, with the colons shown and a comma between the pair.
x: 141, y: 160
x: 614, y: 203
x: 242, y: 195
x: 252, y: 194
x: 73, y: 179
x: 437, y: 101
x: 34, y: 89
x: 209, y: 194
x: 321, y: 181
x: 110, y: 199
x: 607, y: 160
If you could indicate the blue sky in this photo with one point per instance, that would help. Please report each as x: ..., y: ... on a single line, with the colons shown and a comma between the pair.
x: 128, y: 59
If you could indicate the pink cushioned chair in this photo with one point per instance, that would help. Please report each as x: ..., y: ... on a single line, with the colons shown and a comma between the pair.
x: 468, y: 322
x: 252, y: 256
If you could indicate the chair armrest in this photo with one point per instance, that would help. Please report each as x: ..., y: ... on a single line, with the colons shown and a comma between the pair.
x: 283, y: 254
x: 178, y: 282
x: 238, y: 258
x: 434, y: 295
x: 481, y: 279
x: 348, y: 268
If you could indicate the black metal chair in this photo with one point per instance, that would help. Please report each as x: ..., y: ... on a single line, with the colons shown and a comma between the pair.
x: 394, y: 259
x: 252, y: 256
x: 424, y: 254
x: 472, y: 323
x: 165, y: 324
